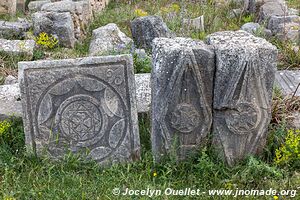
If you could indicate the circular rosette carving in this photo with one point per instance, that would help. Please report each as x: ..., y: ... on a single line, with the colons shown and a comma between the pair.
x: 81, y: 112
x: 185, y: 118
x: 243, y: 119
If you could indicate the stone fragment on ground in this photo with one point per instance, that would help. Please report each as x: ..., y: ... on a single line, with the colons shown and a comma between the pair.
x: 80, y: 11
x: 9, y: 80
x: 288, y: 81
x: 182, y: 85
x: 243, y: 87
x: 59, y: 25
x: 10, y: 101
x: 108, y: 39
x: 17, y: 47
x: 256, y: 29
x: 143, y: 92
x: 145, y: 29
x: 35, y: 6
x: 85, y: 106
x: 272, y: 8
x: 14, y: 30
x: 285, y: 27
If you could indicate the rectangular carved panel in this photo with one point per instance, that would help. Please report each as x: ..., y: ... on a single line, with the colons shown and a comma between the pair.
x: 84, y: 106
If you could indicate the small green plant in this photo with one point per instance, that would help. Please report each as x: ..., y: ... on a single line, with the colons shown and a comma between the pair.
x: 142, y: 65
x: 46, y: 41
x: 12, y: 135
x: 289, y: 152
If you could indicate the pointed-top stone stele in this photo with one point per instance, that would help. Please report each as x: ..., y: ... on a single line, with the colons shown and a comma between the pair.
x: 245, y: 71
x: 182, y: 85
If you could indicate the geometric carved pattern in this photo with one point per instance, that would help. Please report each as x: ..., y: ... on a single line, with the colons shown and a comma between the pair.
x: 84, y: 106
x: 243, y: 119
x: 185, y: 118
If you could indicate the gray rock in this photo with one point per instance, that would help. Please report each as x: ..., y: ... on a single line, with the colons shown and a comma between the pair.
x: 17, y: 47
x: 143, y: 92
x: 288, y: 81
x: 9, y: 80
x: 250, y: 6
x: 182, y: 85
x: 251, y: 27
x: 272, y: 8
x: 107, y: 39
x: 10, y: 101
x: 196, y: 23
x: 145, y: 29
x: 276, y: 22
x: 35, y: 6
x: 86, y: 106
x: 81, y: 13
x: 243, y: 88
x: 14, y: 30
x: 58, y: 24
x: 257, y: 30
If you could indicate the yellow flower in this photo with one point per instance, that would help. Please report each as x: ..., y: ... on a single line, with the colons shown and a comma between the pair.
x: 9, y: 198
x: 275, y: 197
x: 140, y: 13
x: 46, y: 41
x: 154, y: 174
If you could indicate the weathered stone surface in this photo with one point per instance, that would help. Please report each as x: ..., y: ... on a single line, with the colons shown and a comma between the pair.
x: 243, y: 86
x: 85, y: 106
x: 196, y: 23
x: 143, y: 92
x: 145, y: 29
x: 21, y: 5
x: 107, y: 39
x: 272, y: 8
x: 13, y: 30
x: 182, y: 85
x: 35, y: 6
x: 58, y: 24
x: 8, y: 6
x: 9, y: 80
x: 256, y: 29
x: 98, y: 5
x: 285, y: 27
x: 81, y: 13
x: 17, y: 47
x: 288, y: 81
x: 10, y: 101
x: 251, y: 27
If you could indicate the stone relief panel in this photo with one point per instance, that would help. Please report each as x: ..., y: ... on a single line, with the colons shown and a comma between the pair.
x: 81, y: 106
x: 243, y: 88
x: 182, y: 81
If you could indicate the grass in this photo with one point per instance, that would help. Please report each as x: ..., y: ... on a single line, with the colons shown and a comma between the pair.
x: 24, y: 176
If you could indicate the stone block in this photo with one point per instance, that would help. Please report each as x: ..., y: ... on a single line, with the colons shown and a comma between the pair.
x: 143, y: 92
x: 85, y: 106
x: 245, y: 72
x: 145, y: 29
x: 182, y: 85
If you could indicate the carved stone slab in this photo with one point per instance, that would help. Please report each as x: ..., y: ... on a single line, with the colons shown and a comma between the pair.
x: 182, y: 85
x: 243, y: 85
x: 288, y: 81
x: 84, y: 106
x: 143, y: 92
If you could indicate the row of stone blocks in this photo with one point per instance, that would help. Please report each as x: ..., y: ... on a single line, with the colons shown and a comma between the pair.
x: 221, y: 88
